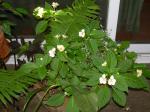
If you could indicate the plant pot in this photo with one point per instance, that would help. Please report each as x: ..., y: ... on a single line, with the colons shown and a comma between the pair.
x: 4, y: 47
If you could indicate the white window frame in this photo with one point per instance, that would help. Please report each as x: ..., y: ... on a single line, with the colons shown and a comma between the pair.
x: 143, y: 50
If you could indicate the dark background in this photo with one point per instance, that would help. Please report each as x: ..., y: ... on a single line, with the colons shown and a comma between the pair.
x: 25, y: 27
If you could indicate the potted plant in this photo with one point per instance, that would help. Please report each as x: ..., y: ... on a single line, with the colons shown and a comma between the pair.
x: 4, y: 46
x: 80, y: 62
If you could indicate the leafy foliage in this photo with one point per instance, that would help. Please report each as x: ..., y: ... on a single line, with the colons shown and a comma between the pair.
x: 5, y: 22
x: 12, y: 83
x: 90, y: 62
x: 81, y: 61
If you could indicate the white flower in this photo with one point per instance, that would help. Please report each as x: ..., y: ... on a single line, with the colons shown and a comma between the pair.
x: 52, y: 52
x: 139, y: 72
x: 39, y: 11
x: 61, y: 48
x: 104, y: 64
x: 111, y: 80
x: 64, y: 36
x: 41, y: 59
x: 103, y: 79
x: 115, y: 50
x: 82, y: 33
x: 57, y: 36
x: 55, y: 5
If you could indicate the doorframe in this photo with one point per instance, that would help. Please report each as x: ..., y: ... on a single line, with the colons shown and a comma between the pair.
x: 143, y: 50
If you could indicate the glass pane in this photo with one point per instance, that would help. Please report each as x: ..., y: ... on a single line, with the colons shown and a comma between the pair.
x: 134, y: 21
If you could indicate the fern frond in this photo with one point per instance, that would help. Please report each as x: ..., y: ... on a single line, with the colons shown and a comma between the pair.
x: 12, y: 83
x: 75, y: 18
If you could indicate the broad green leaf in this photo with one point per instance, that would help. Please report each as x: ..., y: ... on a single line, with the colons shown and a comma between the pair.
x: 145, y: 83
x: 93, y: 45
x: 28, y: 67
x: 75, y: 81
x: 104, y: 95
x: 121, y: 83
x: 119, y: 97
x: 76, y: 69
x: 71, y: 106
x: 56, y: 100
x: 86, y: 102
x: 97, y: 61
x: 124, y: 65
x: 41, y: 26
x: 64, y: 70
x: 52, y: 75
x: 146, y: 73
x: 42, y: 60
x: 94, y: 80
x: 97, y: 34
x: 111, y: 59
x: 55, y: 65
x: 134, y: 82
x: 42, y: 72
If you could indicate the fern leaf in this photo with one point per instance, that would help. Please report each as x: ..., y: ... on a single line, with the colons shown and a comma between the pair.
x: 12, y: 83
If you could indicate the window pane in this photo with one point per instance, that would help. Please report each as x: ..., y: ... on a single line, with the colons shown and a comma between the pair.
x: 134, y: 21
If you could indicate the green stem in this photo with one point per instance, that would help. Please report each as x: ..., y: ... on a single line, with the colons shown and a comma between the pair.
x: 39, y: 104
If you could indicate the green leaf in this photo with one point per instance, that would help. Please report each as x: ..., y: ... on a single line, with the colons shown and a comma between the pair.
x: 93, y: 45
x: 48, y: 6
x: 123, y: 46
x: 41, y: 26
x: 119, y: 97
x: 63, y: 71
x: 93, y: 81
x: 71, y: 106
x: 104, y: 96
x: 55, y: 65
x: 42, y: 72
x: 145, y: 83
x: 7, y: 5
x: 3, y: 100
x: 97, y: 34
x: 28, y: 67
x: 75, y: 81
x: 146, y: 73
x: 56, y: 100
x: 124, y: 65
x: 134, y: 82
x: 121, y: 83
x: 6, y: 28
x: 52, y: 75
x: 43, y: 60
x: 111, y: 59
x: 22, y: 11
x: 86, y: 102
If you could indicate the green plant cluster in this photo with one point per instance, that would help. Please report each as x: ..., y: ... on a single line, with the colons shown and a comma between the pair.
x: 6, y: 9
x: 81, y: 62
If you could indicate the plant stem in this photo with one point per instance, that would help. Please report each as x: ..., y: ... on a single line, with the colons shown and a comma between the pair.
x: 39, y: 104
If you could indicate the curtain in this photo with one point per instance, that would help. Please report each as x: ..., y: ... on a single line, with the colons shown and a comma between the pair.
x: 129, y: 15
